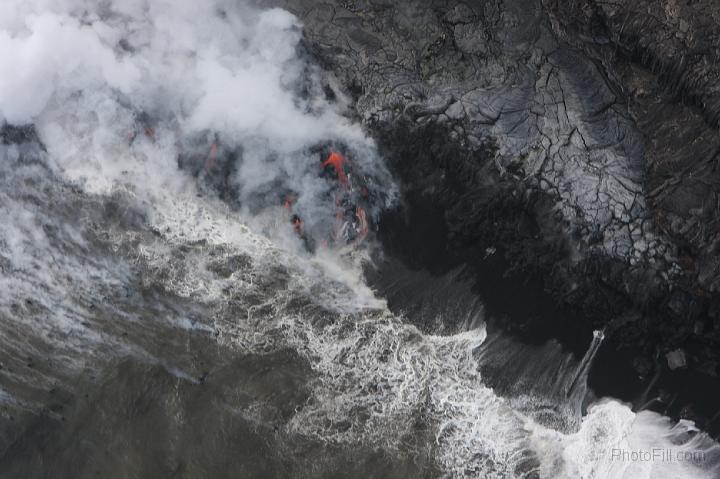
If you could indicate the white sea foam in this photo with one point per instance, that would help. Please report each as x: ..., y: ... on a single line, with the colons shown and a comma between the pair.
x: 83, y: 72
x: 382, y: 382
x: 379, y: 381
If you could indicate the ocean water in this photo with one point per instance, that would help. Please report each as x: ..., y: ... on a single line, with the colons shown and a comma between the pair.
x: 151, y: 329
x: 176, y: 342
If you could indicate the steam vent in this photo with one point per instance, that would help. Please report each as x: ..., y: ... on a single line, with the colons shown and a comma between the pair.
x: 320, y: 239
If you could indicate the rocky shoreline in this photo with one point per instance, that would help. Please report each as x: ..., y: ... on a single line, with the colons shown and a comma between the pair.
x: 576, y: 139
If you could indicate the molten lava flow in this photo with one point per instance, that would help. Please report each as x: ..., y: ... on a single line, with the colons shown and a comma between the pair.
x: 148, y: 130
x: 289, y: 201
x: 297, y: 225
x: 337, y: 161
x: 363, y: 224
x: 210, y: 161
x: 297, y: 222
x: 351, y: 221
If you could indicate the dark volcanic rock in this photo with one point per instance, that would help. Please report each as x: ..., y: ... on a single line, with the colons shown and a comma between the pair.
x: 663, y: 57
x: 579, y: 138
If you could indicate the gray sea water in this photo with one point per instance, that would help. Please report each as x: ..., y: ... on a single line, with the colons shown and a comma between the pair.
x: 172, y: 341
x: 149, y: 329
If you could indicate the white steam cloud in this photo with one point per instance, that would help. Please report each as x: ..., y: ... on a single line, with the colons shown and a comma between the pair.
x: 93, y: 76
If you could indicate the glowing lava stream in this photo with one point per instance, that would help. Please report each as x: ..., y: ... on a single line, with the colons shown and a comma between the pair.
x: 93, y: 215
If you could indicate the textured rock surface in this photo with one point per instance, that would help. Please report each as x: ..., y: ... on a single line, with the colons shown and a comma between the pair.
x: 662, y: 56
x: 579, y: 138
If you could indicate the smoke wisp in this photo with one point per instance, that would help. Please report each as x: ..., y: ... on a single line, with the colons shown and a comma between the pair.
x: 121, y: 93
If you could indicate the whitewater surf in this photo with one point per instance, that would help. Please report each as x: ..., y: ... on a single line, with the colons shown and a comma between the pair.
x: 154, y: 327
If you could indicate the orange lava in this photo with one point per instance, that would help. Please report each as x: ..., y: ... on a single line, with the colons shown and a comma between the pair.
x: 337, y: 161
x: 298, y: 225
x: 362, y: 218
x: 289, y: 202
x: 210, y: 161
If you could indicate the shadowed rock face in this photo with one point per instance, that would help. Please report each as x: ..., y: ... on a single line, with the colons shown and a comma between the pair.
x: 579, y: 138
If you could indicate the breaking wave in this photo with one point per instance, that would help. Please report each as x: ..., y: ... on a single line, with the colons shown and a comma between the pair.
x: 108, y: 249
